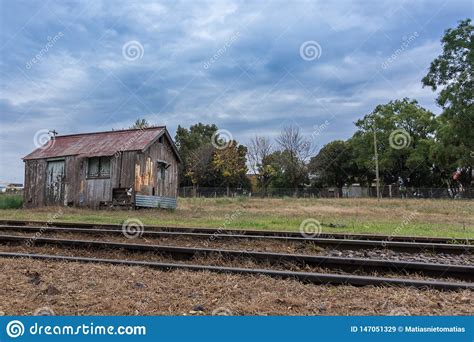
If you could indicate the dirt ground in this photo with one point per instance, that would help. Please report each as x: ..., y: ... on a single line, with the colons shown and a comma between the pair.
x: 95, y: 289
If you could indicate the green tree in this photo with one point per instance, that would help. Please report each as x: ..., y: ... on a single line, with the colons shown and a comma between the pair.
x: 189, y: 143
x: 277, y: 180
x: 404, y: 132
x: 266, y: 173
x: 451, y: 75
x: 200, y: 170
x: 333, y: 165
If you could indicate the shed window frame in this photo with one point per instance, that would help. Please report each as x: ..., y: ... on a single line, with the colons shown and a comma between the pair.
x: 162, y: 170
x: 103, y: 168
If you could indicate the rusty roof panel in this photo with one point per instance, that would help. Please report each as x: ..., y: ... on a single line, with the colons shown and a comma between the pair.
x: 97, y: 144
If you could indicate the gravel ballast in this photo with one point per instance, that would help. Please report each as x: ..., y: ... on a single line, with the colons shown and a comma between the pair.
x: 269, y: 246
x: 213, y: 260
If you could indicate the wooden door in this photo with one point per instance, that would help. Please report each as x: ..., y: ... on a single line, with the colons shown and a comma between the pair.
x: 55, y: 182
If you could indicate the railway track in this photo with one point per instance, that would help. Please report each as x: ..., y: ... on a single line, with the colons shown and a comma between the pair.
x: 237, y: 232
x: 339, y: 243
x: 464, y: 273
x: 307, y: 277
x: 339, y: 263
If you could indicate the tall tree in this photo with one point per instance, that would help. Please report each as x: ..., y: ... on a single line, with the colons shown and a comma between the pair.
x: 296, y: 150
x: 230, y: 163
x: 259, y: 148
x: 275, y: 168
x: 333, y: 165
x: 200, y: 168
x: 404, y: 132
x: 451, y: 73
x: 259, y: 151
x: 189, y: 141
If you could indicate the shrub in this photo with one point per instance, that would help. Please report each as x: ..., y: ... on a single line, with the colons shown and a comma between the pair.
x: 8, y: 201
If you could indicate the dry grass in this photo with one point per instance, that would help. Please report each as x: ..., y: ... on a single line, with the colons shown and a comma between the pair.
x: 90, y: 289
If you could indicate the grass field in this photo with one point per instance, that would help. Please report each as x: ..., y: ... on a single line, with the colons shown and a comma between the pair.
x: 392, y: 217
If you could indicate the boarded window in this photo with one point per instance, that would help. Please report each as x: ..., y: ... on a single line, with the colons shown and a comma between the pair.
x: 93, y: 167
x: 161, y: 171
x: 98, y: 167
x: 104, y: 167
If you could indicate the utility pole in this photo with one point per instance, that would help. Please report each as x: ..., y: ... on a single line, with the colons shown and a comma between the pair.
x: 376, y: 154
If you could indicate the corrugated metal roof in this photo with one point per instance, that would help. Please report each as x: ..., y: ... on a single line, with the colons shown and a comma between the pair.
x: 98, y: 143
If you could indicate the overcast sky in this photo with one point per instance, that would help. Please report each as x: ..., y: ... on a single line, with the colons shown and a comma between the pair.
x: 251, y: 67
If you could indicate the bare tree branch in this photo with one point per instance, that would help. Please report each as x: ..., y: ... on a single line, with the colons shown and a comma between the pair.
x: 296, y: 151
x: 259, y: 149
x: 292, y: 141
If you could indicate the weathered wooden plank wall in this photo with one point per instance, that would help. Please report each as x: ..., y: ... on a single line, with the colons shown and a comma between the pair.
x: 35, y: 178
x: 147, y: 181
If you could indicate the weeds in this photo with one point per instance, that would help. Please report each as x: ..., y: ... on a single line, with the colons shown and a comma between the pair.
x: 11, y: 201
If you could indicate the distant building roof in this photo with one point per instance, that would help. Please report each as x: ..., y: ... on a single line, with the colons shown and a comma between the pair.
x: 99, y: 143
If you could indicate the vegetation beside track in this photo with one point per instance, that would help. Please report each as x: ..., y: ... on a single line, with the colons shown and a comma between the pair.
x: 11, y: 201
x: 392, y: 217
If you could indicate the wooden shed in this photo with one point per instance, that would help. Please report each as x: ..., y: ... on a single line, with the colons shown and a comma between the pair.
x: 133, y: 167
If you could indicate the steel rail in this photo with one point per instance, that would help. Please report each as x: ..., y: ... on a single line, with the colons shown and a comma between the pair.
x: 248, y: 232
x: 347, y: 264
x: 412, y: 247
x: 307, y: 277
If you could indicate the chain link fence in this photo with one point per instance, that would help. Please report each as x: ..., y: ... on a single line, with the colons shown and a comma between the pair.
x: 355, y: 191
